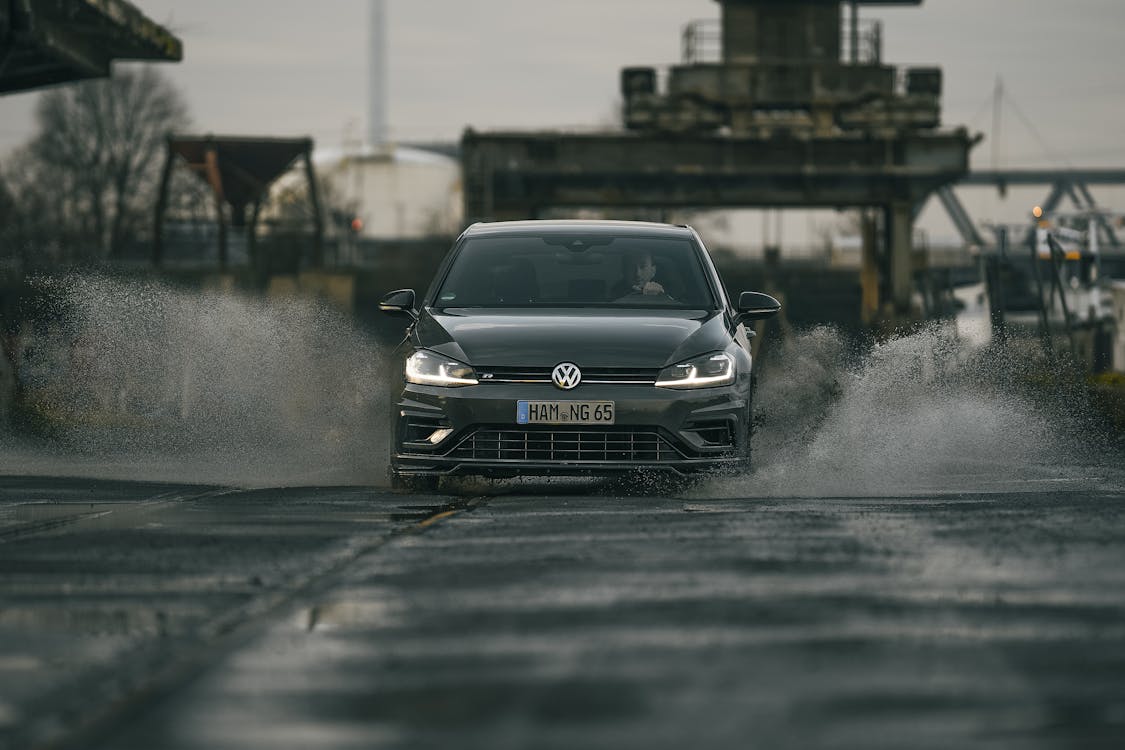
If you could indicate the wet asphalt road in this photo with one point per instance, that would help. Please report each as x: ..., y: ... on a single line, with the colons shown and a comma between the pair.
x: 159, y: 616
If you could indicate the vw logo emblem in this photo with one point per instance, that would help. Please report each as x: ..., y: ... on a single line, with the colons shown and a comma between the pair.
x: 566, y: 375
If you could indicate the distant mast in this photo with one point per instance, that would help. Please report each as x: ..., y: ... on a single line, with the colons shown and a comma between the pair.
x: 377, y: 115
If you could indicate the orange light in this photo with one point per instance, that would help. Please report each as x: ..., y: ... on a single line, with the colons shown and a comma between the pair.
x: 357, y: 224
x: 1037, y: 212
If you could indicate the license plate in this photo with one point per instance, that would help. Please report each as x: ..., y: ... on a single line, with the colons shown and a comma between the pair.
x: 564, y: 412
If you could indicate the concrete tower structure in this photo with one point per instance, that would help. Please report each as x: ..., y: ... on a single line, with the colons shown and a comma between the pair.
x: 795, y: 109
x: 802, y: 66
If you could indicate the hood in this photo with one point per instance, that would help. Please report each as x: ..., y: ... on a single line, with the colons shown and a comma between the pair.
x: 589, y: 338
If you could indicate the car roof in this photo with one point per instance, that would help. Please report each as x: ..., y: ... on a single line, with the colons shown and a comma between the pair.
x: 584, y: 226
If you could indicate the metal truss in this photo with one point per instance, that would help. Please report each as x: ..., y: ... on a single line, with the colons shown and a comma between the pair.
x: 1062, y: 184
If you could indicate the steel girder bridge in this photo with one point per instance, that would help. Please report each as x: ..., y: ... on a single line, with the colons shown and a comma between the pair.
x: 46, y: 42
x: 1060, y: 184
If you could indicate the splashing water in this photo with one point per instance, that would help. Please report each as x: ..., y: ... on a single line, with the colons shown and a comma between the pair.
x: 144, y: 380
x: 919, y: 414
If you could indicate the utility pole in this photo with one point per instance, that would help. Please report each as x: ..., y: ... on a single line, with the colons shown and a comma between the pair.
x: 997, y: 123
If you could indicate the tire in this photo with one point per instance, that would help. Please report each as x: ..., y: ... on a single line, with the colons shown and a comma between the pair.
x: 748, y: 450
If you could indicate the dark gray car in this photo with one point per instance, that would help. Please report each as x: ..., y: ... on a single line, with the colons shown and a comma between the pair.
x: 573, y: 347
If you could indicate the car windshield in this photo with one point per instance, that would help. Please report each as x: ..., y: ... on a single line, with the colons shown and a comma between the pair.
x: 577, y: 271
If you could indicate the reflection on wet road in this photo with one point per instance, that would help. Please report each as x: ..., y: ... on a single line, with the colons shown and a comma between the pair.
x: 141, y: 616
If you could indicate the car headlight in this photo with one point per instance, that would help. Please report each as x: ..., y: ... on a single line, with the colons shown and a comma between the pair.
x: 707, y: 371
x: 428, y: 368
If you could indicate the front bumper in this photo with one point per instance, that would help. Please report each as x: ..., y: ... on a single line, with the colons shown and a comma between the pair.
x: 678, y: 431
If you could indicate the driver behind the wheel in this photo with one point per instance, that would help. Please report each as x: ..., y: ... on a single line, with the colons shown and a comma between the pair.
x: 640, y: 277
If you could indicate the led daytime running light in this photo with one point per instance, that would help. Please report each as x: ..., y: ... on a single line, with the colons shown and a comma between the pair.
x: 692, y: 378
x: 423, y: 368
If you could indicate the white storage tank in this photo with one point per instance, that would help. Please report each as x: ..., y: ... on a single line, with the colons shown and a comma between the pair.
x: 395, y: 191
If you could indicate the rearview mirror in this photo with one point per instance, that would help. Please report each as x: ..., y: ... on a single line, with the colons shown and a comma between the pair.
x: 757, y: 306
x: 399, y: 302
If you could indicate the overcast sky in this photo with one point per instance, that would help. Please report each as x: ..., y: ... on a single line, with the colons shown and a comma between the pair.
x: 285, y: 67
x: 298, y: 68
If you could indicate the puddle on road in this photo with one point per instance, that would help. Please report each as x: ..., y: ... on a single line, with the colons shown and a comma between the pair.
x: 374, y: 610
x: 9, y: 715
x: 139, y: 380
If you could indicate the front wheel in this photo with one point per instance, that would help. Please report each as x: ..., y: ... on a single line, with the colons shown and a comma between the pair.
x: 748, y: 447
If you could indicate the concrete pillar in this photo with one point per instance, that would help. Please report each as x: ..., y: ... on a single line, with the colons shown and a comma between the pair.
x: 215, y: 179
x: 900, y: 246
x: 162, y: 204
x: 7, y: 387
x: 869, y: 270
x: 317, y: 259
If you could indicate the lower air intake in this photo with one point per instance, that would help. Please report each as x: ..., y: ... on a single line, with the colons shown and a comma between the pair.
x: 568, y: 446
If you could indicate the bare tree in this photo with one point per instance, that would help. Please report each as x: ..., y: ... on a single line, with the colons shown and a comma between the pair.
x: 34, y: 230
x: 98, y: 153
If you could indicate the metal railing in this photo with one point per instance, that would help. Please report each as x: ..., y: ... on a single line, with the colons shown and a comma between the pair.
x: 702, y: 42
x: 860, y: 44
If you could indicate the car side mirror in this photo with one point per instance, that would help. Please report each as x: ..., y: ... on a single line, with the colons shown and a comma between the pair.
x: 757, y: 306
x: 399, y: 302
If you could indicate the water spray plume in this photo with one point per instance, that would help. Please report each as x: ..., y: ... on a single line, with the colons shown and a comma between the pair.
x: 920, y: 414
x: 149, y: 381
x: 210, y: 386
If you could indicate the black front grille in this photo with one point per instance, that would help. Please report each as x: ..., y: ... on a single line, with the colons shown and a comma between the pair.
x: 593, y: 375
x: 570, y: 445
